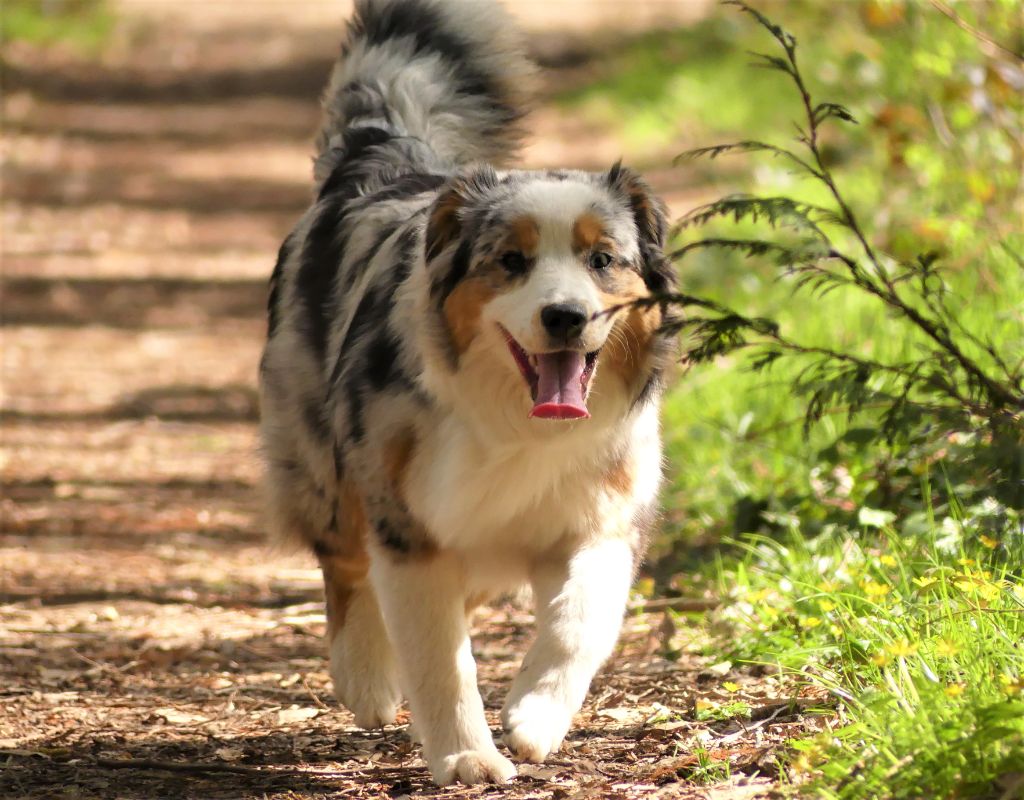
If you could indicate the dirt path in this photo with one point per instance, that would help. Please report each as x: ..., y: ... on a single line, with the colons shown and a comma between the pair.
x: 143, y: 617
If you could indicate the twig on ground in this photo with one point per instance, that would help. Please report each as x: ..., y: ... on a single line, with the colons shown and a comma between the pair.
x: 312, y: 694
x: 99, y: 665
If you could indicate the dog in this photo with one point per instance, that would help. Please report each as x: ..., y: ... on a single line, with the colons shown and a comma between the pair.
x: 459, y: 394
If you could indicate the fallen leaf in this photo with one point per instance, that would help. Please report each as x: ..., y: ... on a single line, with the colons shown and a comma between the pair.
x: 176, y: 717
x: 296, y: 714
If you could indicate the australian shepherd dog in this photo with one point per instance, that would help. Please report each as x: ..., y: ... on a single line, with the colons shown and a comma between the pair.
x: 458, y: 397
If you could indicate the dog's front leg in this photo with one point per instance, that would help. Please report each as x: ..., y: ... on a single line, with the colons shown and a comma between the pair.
x: 580, y: 602
x: 423, y: 601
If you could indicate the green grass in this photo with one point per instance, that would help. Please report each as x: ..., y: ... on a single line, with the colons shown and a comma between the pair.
x: 918, y: 638
x: 853, y: 565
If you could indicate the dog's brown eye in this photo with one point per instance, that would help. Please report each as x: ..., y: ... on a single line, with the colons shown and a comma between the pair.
x: 600, y: 260
x: 513, y: 261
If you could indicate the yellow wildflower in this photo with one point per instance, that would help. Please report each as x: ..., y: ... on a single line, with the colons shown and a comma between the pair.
x: 902, y: 648
x: 965, y: 562
x: 945, y: 648
x: 729, y: 686
x: 1011, y: 685
x: 888, y: 561
x: 803, y: 764
x: 756, y: 597
x: 810, y: 622
x: 954, y: 690
x: 964, y: 583
x: 826, y: 605
x: 879, y: 659
x: 875, y: 589
x: 828, y: 586
x: 989, y: 542
x: 835, y: 630
x: 925, y: 581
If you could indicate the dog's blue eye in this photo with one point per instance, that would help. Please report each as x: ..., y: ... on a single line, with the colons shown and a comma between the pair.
x: 513, y: 261
x: 600, y: 260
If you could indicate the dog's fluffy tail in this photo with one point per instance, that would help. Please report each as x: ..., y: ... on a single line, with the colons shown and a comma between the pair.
x: 448, y: 73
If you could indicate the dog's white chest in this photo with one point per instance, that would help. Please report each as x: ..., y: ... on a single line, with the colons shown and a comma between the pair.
x: 471, y: 494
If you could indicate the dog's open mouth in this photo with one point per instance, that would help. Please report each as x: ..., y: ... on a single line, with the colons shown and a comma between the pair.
x: 558, y: 381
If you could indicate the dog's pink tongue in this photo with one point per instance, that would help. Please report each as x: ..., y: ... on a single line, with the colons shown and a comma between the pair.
x: 560, y: 386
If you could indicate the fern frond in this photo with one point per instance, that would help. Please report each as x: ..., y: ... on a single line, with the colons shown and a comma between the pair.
x: 778, y: 212
x: 824, y: 111
x: 746, y: 146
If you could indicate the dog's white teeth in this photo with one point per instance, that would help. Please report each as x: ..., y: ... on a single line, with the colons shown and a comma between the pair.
x: 533, y: 361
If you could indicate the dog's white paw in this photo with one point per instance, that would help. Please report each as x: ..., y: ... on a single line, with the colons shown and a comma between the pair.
x: 369, y: 690
x: 373, y: 702
x: 535, y: 727
x: 373, y: 712
x: 473, y: 766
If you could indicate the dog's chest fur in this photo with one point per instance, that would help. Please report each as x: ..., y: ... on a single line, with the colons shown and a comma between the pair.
x: 525, y: 495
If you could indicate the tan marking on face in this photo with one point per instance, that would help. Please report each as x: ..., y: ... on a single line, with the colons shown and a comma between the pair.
x: 629, y: 343
x: 346, y: 565
x: 524, y: 236
x: 462, y: 309
x: 588, y: 233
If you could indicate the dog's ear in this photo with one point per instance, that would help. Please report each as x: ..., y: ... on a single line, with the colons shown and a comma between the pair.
x: 445, y: 223
x: 651, y: 220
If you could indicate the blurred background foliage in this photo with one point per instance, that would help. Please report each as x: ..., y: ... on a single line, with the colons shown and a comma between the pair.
x: 934, y: 167
x: 81, y: 25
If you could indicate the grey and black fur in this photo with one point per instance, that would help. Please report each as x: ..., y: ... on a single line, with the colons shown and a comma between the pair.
x: 422, y: 88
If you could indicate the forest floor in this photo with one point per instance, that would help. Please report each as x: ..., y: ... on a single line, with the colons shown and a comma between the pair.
x: 151, y: 644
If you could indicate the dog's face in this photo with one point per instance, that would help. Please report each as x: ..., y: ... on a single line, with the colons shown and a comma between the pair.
x: 534, y: 271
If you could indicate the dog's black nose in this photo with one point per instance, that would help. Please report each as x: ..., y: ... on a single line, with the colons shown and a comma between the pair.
x: 564, y: 321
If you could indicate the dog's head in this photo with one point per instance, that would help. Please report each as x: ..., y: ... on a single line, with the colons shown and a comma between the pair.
x: 532, y: 273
